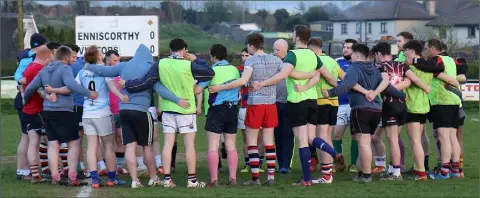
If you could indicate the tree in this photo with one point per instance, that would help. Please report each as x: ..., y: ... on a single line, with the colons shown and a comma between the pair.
x: 281, y: 16
x: 217, y: 11
x: 270, y: 23
x: 331, y: 9
x: 316, y: 13
x: 50, y: 33
x: 81, y: 7
x: 295, y: 20
x: 190, y: 16
x: 173, y: 11
x: 62, y: 37
x: 262, y: 13
x: 301, y: 7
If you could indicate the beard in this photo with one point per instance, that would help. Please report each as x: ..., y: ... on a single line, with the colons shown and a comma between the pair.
x: 349, y: 57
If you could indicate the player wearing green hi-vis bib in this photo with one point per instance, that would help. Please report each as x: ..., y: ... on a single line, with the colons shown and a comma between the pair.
x: 298, y: 67
x: 327, y: 108
x: 445, y: 107
x: 222, y: 117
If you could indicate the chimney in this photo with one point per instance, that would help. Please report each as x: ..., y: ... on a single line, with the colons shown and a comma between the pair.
x: 431, y: 6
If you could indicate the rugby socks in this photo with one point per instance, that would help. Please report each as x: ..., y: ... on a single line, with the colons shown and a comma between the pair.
x: 212, y: 157
x: 34, y: 170
x: 305, y: 162
x: 254, y: 161
x: 402, y: 151
x: 246, y: 161
x: 167, y: 177
x: 102, y: 166
x: 174, y: 155
x: 420, y: 171
x: 390, y: 169
x: 158, y: 161
x: 337, y: 145
x: 63, y: 156
x: 455, y: 167
x: 232, y: 161
x: 425, y: 162
x: 120, y: 159
x: 112, y: 175
x: 353, y: 152
x: 139, y: 161
x: 324, y: 146
x: 396, y: 170
x: 271, y: 157
x: 327, y: 170
x: 82, y: 166
x: 42, y: 151
x: 313, y: 152
x: 380, y: 161
x: 192, y: 178
x: 94, y: 175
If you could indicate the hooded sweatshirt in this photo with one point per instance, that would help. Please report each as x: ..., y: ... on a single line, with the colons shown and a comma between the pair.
x: 136, y: 68
x: 56, y: 74
x: 367, y: 76
x: 76, y: 67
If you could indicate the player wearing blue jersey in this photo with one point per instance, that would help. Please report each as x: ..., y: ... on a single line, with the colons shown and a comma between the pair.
x: 343, y: 115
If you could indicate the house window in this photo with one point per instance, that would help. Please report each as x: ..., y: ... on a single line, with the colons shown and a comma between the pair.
x: 344, y: 28
x: 370, y: 28
x: 357, y: 28
x: 383, y: 28
x: 471, y: 31
x: 329, y: 28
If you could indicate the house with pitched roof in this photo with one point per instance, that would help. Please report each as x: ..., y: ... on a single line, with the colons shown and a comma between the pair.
x: 382, y: 20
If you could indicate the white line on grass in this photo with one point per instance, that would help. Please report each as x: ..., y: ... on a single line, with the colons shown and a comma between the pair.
x: 85, y: 191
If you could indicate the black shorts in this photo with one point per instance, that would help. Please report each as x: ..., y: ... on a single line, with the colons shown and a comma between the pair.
x: 78, y: 110
x: 364, y: 121
x: 60, y: 126
x: 23, y: 123
x: 327, y: 114
x: 429, y: 116
x: 35, y: 122
x: 416, y: 117
x: 461, y: 120
x: 222, y: 119
x: 302, y: 113
x: 445, y: 116
x: 394, y: 113
x: 137, y: 126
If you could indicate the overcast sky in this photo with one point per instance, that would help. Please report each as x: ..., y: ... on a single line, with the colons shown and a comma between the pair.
x: 252, y: 5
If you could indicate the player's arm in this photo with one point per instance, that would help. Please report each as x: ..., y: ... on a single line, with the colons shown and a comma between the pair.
x: 447, y: 79
x: 32, y: 88
x: 351, y: 78
x: 325, y: 74
x: 145, y: 83
x: 310, y: 83
x: 462, y: 78
x: 432, y: 65
x: 105, y: 71
x: 405, y: 83
x: 18, y: 76
x: 357, y: 87
x: 462, y: 69
x: 201, y: 71
x: 242, y: 81
x: 298, y: 75
x: 112, y: 86
x: 69, y: 81
x: 417, y: 81
x: 165, y: 93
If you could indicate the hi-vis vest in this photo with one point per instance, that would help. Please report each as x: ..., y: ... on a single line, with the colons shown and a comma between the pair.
x: 332, y: 67
x: 306, y: 62
x: 223, y: 74
x: 176, y: 75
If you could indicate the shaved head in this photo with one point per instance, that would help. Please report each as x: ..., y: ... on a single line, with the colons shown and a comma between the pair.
x: 280, y: 48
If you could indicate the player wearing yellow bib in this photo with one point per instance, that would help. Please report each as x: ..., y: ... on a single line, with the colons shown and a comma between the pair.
x: 445, y: 108
x: 327, y: 108
x: 300, y: 65
x: 222, y: 117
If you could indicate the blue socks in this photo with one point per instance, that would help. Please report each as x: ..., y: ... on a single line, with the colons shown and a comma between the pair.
x: 305, y: 161
x: 94, y: 176
x: 111, y: 175
x: 324, y: 146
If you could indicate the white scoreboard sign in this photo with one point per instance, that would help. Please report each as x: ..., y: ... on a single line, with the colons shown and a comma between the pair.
x: 470, y: 91
x: 121, y: 33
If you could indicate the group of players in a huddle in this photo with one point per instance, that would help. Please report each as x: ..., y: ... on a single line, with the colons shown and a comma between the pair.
x: 301, y: 94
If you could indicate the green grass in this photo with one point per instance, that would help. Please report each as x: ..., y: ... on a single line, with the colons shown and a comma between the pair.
x: 342, y: 186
